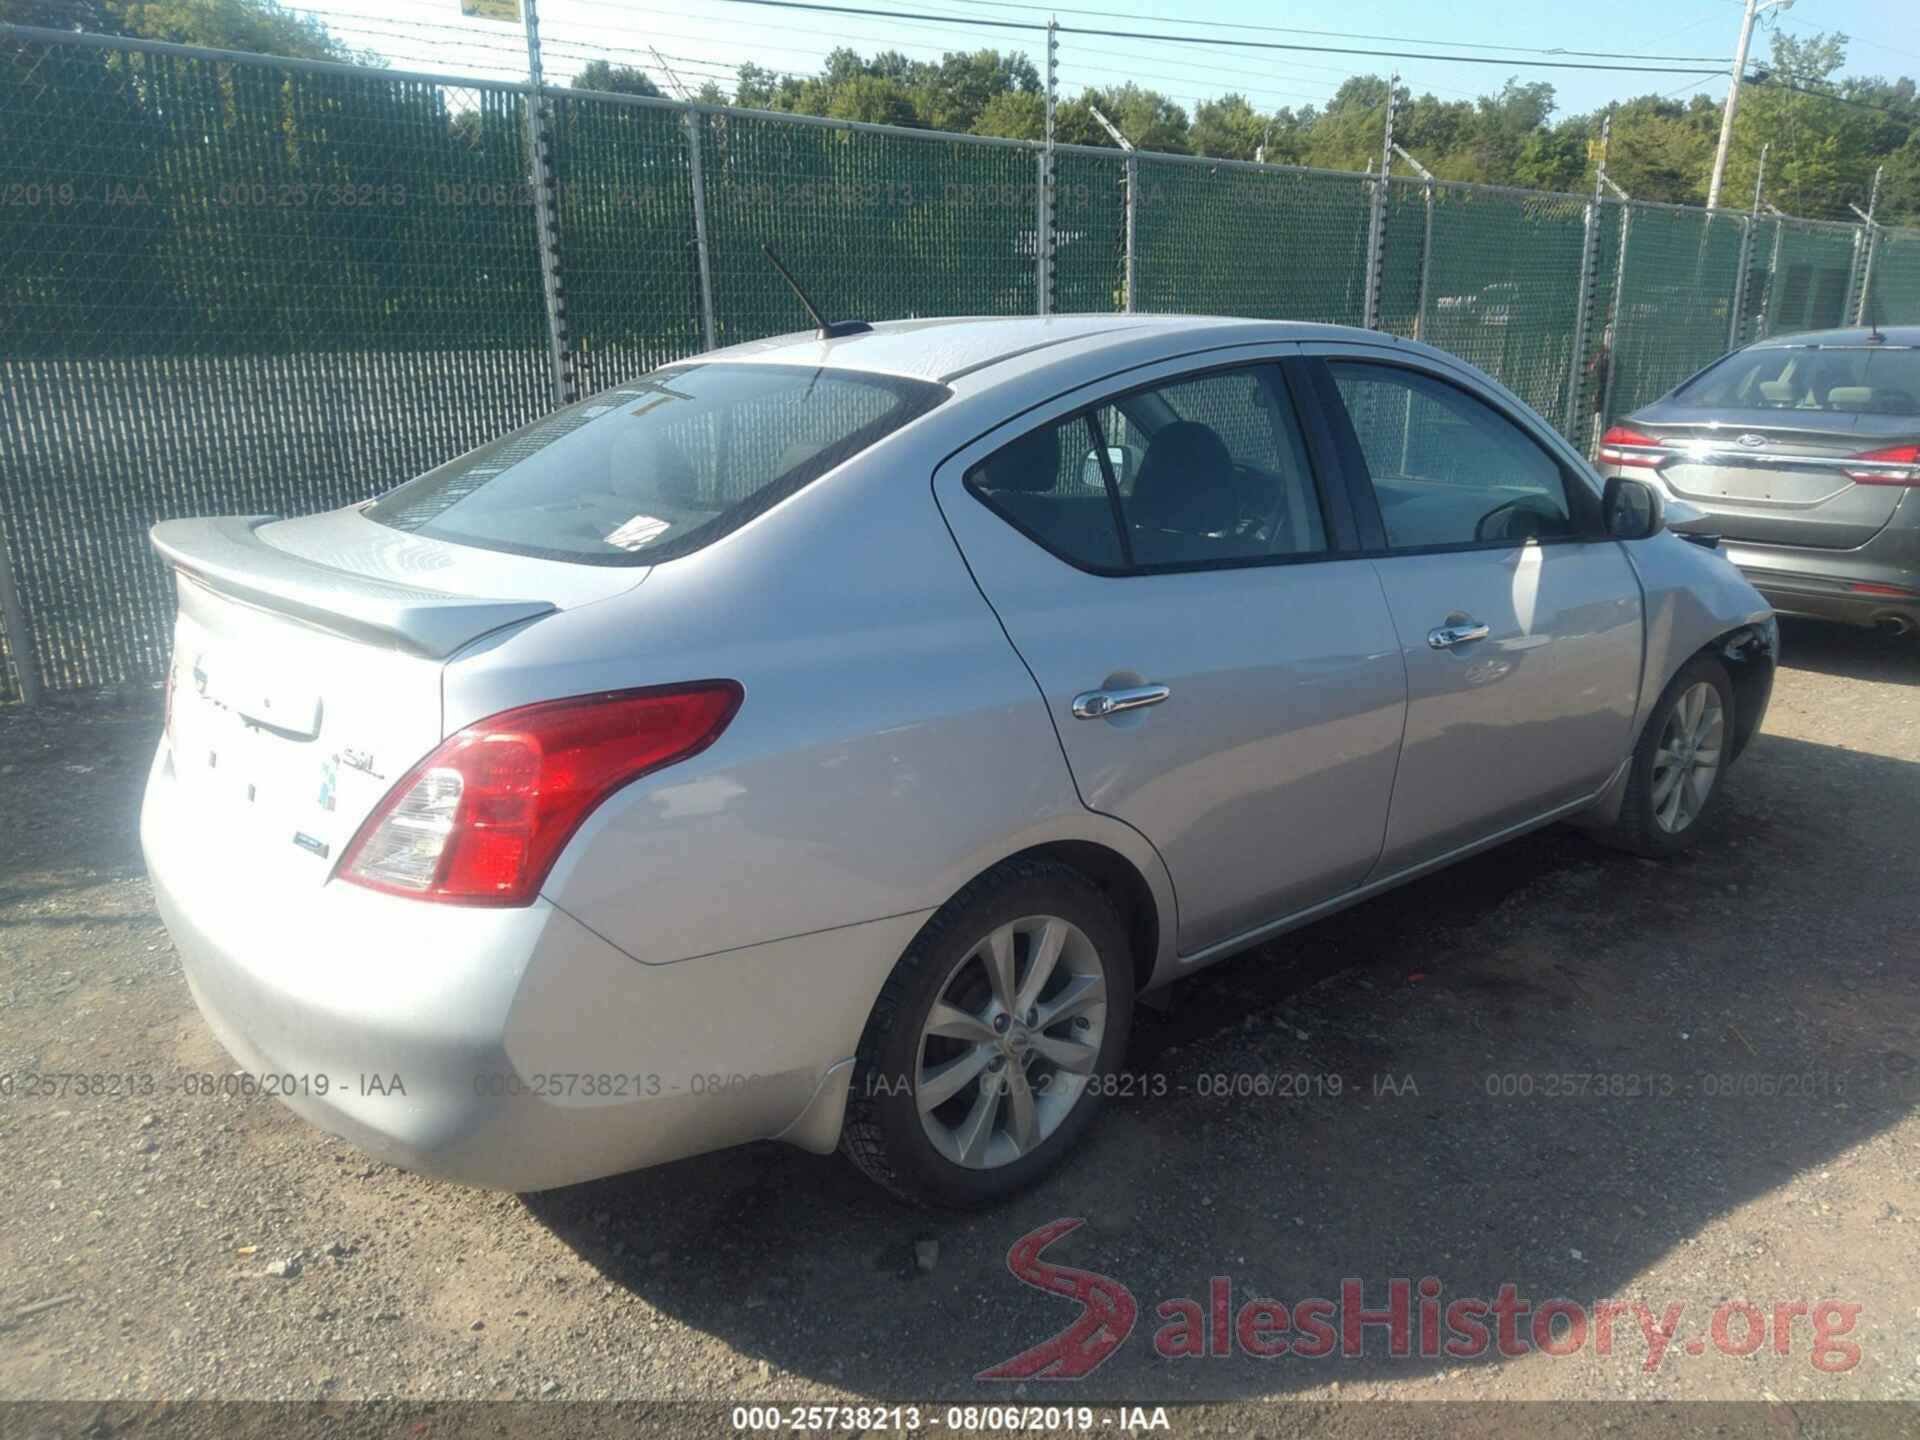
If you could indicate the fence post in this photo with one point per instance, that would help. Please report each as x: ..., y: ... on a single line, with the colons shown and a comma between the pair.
x: 1589, y: 275
x: 1737, y: 322
x: 546, y: 217
x: 1582, y: 309
x: 1426, y: 239
x: 1865, y: 238
x: 697, y: 182
x: 1377, y: 216
x: 1043, y: 210
x: 1133, y: 186
x: 19, y: 643
x: 1603, y: 407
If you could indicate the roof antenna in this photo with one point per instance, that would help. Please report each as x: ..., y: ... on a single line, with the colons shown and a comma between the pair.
x: 829, y: 330
x: 1874, y: 337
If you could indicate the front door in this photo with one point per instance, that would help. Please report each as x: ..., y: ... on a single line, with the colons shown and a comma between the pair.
x: 1222, y: 675
x: 1519, y: 623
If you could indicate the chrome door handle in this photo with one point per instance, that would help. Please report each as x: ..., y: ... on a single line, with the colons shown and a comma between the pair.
x: 1098, y: 704
x: 1445, y: 637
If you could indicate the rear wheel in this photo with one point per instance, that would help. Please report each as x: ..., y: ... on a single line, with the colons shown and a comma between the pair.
x: 1680, y: 762
x: 982, y: 1062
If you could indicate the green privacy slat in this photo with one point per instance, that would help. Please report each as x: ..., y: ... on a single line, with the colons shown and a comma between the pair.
x: 1273, y: 244
x: 1894, y: 295
x: 874, y: 226
x: 1674, y: 312
x: 239, y: 288
x: 261, y: 286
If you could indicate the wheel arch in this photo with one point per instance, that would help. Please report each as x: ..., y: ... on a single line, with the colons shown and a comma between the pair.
x: 1123, y: 884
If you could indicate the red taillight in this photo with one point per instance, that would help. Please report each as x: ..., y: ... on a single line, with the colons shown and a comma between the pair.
x: 1611, y: 452
x: 1895, y: 465
x: 1865, y: 587
x: 481, y: 820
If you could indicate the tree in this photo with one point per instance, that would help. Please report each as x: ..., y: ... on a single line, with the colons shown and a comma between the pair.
x: 1146, y: 117
x: 1013, y: 115
x: 1228, y: 127
x: 615, y: 79
x: 259, y: 26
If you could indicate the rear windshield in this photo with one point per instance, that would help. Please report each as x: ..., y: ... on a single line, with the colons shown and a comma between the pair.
x: 658, y: 467
x: 1864, y: 379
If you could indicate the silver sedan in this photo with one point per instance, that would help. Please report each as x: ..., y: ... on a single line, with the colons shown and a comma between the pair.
x: 829, y: 740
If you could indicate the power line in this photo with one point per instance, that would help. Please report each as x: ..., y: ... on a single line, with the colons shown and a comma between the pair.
x: 1899, y: 117
x: 1164, y: 38
x: 1722, y: 61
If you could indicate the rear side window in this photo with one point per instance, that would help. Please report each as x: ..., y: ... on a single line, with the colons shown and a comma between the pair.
x: 658, y: 467
x: 1049, y: 485
x: 1187, y: 474
x: 1864, y: 379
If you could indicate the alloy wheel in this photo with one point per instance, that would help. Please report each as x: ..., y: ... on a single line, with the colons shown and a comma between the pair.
x: 1008, y: 1044
x: 1687, y: 761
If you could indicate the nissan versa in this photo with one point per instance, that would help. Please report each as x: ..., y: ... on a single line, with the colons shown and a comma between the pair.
x: 831, y: 739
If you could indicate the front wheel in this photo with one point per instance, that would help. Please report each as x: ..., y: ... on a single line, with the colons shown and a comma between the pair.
x: 982, y: 1062
x: 1679, y: 764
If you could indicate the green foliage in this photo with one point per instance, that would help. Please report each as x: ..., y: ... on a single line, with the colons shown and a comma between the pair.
x: 1823, y: 152
x: 614, y: 79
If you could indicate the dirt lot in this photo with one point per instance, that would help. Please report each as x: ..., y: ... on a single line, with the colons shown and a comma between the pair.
x: 1556, y: 1068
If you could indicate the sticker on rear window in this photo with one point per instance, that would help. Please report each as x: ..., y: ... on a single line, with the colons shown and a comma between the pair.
x: 638, y: 531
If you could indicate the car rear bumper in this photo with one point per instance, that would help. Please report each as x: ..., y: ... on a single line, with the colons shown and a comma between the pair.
x: 1877, y: 584
x: 507, y: 1048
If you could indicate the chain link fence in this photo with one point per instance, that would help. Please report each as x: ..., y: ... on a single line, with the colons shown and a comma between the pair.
x: 236, y: 284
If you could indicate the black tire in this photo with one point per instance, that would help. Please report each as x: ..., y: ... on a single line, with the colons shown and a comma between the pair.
x: 1639, y: 829
x: 883, y: 1134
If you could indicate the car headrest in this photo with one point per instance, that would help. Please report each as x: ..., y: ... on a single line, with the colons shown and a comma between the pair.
x: 1777, y: 392
x: 1186, y: 482
x: 1031, y: 463
x: 1850, y: 397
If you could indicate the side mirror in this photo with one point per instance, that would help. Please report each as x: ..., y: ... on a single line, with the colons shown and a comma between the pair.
x: 1632, y: 509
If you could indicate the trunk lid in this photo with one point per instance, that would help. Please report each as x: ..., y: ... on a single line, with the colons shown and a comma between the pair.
x: 307, y: 666
x: 1775, y: 478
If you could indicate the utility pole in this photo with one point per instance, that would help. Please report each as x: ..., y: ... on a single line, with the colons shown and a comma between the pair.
x: 1754, y: 7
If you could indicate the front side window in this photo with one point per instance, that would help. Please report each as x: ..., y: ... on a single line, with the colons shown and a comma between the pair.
x: 1447, y: 468
x: 1861, y: 379
x: 658, y: 467
x: 1184, y: 474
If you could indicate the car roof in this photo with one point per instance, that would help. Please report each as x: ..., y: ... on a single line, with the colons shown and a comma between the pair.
x: 949, y: 349
x: 1892, y: 335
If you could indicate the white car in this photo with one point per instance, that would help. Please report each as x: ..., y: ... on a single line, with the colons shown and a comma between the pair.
x: 829, y: 739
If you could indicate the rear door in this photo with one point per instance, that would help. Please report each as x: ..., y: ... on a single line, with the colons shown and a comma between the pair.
x: 1519, y: 624
x: 1219, y: 667
x: 1765, y: 441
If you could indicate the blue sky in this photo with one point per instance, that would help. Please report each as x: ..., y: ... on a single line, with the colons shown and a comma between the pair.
x: 707, y: 39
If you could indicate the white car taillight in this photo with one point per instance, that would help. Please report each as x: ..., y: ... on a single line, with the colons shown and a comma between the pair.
x: 481, y: 820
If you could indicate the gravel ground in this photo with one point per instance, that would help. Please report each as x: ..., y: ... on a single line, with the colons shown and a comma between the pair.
x: 1554, y: 1067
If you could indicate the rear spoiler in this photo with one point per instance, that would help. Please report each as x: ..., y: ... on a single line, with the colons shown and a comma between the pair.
x: 227, y: 554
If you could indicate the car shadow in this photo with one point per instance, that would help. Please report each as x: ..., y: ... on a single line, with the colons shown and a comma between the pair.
x: 1848, y: 652
x: 1548, y: 1066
